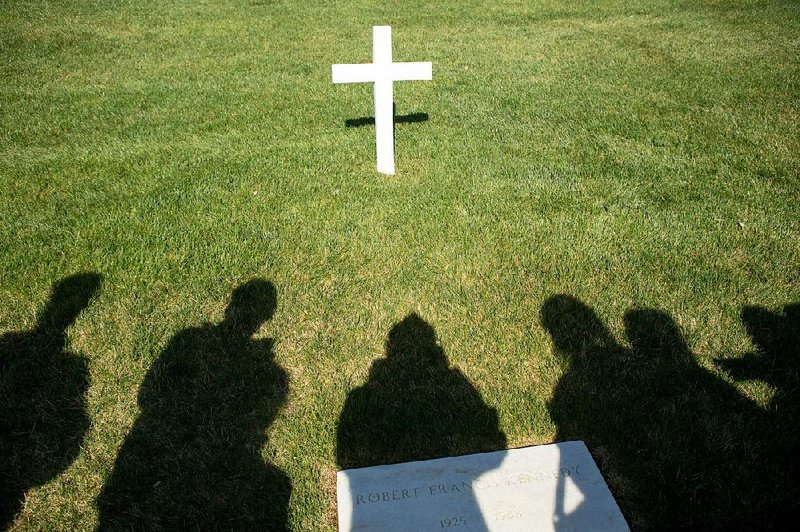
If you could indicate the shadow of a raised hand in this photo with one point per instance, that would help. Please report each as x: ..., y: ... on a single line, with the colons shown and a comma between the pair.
x: 192, y: 458
x: 679, y: 446
x: 43, y: 386
x: 776, y: 361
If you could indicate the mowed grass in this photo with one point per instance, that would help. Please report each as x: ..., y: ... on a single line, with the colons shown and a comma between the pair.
x: 601, y: 206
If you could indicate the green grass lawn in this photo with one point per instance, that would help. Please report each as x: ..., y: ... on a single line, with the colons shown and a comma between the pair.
x: 595, y: 235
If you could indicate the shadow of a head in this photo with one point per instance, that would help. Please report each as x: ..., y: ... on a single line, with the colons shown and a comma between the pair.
x: 68, y: 298
x: 252, y: 304
x: 575, y: 328
x: 413, y: 341
x: 653, y: 334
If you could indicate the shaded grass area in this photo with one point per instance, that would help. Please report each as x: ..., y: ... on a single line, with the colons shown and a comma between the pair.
x: 630, y: 155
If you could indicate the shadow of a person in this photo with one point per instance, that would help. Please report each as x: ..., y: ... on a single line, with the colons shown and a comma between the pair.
x: 192, y: 458
x: 414, y: 406
x: 681, y: 447
x: 776, y: 361
x: 594, y: 361
x: 43, y: 386
x: 706, y: 439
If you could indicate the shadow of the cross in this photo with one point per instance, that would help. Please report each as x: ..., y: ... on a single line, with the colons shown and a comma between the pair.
x: 402, y: 119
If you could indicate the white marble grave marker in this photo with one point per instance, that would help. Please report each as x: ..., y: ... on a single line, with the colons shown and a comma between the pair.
x: 548, y: 487
x: 382, y: 72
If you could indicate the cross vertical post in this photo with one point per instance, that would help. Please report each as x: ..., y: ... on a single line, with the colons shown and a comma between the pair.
x: 384, y: 98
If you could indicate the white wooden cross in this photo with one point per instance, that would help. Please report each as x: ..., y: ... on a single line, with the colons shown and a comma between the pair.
x: 383, y: 73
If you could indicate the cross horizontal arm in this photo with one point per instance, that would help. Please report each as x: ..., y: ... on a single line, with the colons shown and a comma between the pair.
x: 353, y: 73
x: 412, y: 71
